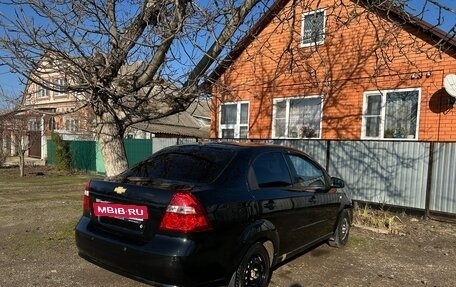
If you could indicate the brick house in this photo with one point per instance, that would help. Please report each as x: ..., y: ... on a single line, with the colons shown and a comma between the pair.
x: 336, y: 70
x: 47, y: 108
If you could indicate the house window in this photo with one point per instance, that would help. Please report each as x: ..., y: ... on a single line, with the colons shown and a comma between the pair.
x: 43, y: 92
x: 391, y: 114
x: 35, y: 125
x: 297, y: 117
x: 72, y: 125
x: 234, y: 120
x: 59, y: 85
x: 313, y: 28
x: 52, y: 124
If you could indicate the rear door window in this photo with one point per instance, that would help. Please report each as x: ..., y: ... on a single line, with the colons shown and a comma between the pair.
x: 271, y: 170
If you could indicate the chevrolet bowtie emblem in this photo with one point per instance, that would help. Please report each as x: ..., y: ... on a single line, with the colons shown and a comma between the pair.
x: 120, y: 190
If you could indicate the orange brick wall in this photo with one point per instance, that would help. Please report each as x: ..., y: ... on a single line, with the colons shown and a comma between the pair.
x: 349, y: 63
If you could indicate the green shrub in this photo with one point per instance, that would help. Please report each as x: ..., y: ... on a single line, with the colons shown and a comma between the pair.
x: 63, y: 157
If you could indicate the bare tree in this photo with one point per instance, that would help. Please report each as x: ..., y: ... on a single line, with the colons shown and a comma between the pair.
x: 128, y: 61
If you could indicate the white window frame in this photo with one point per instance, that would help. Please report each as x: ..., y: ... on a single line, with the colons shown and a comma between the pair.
x: 34, y: 125
x: 383, y: 94
x: 59, y: 86
x: 287, y: 116
x: 72, y: 124
x: 322, y: 41
x: 237, y: 126
x: 42, y: 92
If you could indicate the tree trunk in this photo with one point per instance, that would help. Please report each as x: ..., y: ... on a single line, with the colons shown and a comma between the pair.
x: 21, y: 163
x: 110, y: 138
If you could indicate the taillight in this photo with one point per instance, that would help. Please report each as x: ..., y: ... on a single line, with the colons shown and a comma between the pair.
x: 86, y: 199
x: 184, y: 214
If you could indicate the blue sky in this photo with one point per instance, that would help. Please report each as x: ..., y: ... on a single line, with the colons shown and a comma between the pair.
x: 11, y: 85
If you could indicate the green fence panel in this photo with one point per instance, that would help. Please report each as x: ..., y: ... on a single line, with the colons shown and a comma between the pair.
x: 137, y: 150
x: 87, y: 154
x: 84, y: 155
x: 50, y: 152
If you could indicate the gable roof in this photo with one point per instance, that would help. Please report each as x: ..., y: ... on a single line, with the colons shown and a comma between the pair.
x: 442, y: 37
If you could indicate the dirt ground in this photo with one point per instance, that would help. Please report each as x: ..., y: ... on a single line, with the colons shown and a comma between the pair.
x: 38, y: 213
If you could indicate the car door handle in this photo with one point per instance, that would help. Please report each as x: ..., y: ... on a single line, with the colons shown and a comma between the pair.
x: 313, y: 199
x: 270, y: 205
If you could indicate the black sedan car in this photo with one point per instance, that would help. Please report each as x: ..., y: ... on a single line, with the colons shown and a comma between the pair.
x: 212, y: 214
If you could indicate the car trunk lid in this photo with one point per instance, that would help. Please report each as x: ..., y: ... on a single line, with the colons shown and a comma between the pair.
x: 130, y: 208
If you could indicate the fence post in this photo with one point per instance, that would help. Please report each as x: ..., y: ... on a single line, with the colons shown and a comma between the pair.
x: 328, y: 155
x: 429, y: 181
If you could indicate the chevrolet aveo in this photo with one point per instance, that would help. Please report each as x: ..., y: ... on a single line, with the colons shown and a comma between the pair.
x: 212, y: 214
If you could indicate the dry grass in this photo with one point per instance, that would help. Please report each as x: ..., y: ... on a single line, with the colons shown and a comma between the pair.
x: 377, y: 218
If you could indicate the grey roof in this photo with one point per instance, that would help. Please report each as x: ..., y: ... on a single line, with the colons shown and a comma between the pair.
x: 181, y: 124
x: 200, y: 109
x: 202, y: 132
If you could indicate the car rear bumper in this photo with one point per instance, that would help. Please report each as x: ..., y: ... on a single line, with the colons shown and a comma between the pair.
x: 164, y: 261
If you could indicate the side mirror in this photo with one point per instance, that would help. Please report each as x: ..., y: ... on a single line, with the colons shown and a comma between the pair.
x: 337, y: 182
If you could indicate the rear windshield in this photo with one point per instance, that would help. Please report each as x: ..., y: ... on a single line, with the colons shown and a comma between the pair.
x: 193, y: 165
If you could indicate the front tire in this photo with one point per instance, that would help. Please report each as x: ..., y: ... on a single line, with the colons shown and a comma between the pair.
x: 254, y: 269
x: 342, y: 231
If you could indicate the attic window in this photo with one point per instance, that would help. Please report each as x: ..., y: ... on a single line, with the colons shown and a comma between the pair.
x: 60, y: 84
x: 43, y: 92
x: 313, y: 28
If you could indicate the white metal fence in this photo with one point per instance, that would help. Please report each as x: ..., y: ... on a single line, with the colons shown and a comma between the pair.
x: 417, y: 175
x: 410, y: 174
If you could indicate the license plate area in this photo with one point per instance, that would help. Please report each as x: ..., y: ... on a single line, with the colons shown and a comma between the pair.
x: 128, y: 212
x: 120, y: 217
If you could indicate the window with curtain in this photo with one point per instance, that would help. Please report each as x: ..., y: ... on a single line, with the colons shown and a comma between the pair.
x: 391, y: 114
x: 313, y: 28
x: 297, y: 117
x: 234, y: 120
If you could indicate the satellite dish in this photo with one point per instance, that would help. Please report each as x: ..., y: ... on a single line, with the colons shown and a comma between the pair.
x: 449, y: 83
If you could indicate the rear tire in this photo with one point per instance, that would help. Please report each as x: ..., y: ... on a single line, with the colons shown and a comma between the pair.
x: 342, y: 231
x: 254, y: 269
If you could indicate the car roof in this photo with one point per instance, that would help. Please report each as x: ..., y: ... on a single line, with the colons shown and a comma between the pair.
x: 237, y: 146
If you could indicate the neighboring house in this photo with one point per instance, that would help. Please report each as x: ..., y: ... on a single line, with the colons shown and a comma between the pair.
x: 48, y: 108
x: 52, y: 109
x: 336, y: 70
